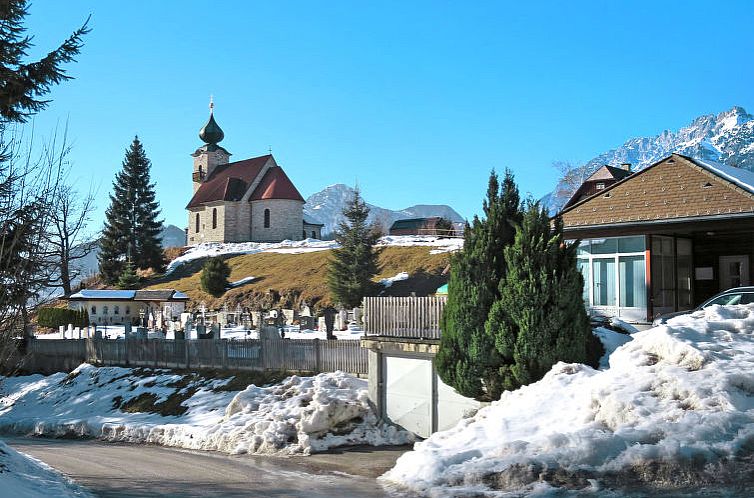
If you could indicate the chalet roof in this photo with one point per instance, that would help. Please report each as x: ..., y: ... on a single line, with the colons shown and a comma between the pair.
x: 607, y: 172
x: 228, y: 182
x: 741, y: 177
x: 276, y: 185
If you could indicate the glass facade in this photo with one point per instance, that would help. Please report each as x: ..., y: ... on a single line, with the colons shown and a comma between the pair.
x: 614, y: 271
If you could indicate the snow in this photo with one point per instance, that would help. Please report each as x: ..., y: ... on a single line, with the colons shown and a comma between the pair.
x: 301, y: 415
x: 27, y: 477
x: 677, y: 397
x: 104, y: 294
x: 240, y: 282
x: 207, y: 250
x: 611, y: 341
x: 387, y: 282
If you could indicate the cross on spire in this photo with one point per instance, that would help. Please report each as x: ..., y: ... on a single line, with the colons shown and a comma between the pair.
x: 211, y: 104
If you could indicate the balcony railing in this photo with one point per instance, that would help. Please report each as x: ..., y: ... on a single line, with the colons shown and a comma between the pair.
x: 407, y: 317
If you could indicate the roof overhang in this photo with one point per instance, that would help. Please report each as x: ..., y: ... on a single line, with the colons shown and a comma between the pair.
x: 718, y: 222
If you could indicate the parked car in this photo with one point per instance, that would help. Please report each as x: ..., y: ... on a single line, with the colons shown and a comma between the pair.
x: 737, y: 295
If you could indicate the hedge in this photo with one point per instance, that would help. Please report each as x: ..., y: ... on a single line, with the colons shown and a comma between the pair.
x: 55, y: 317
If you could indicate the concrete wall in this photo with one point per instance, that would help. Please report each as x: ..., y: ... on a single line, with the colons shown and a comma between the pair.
x: 313, y: 231
x: 286, y: 220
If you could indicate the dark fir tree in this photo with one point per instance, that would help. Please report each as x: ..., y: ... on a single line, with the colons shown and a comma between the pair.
x: 467, y: 359
x: 132, y: 229
x: 540, y: 317
x: 128, y: 278
x: 355, y: 263
x: 214, y: 277
x: 23, y: 84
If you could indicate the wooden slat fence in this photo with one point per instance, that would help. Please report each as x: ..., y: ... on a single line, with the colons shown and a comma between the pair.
x: 409, y: 317
x: 303, y: 355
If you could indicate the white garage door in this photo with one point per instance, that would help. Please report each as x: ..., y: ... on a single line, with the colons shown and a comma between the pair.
x: 451, y: 406
x: 408, y: 388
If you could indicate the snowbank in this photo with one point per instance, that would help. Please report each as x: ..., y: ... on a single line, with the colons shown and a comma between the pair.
x: 24, y: 476
x: 675, y: 409
x: 301, y: 415
x: 306, y: 245
x: 611, y: 341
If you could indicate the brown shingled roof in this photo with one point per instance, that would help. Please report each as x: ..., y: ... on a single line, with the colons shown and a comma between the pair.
x: 276, y: 185
x: 229, y: 182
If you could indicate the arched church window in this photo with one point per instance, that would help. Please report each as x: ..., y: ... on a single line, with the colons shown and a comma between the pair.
x: 197, y: 223
x: 214, y: 217
x: 267, y: 218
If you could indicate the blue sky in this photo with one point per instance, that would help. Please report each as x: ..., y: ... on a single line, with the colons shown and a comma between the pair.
x: 415, y: 101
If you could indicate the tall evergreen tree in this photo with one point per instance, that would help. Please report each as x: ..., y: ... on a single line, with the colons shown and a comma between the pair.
x: 467, y: 359
x: 355, y: 263
x: 132, y: 229
x: 540, y: 317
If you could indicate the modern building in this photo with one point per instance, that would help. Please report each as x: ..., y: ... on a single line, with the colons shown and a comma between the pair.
x: 665, y: 238
x: 241, y: 201
x: 118, y: 307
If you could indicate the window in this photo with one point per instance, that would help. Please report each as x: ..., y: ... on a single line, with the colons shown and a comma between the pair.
x: 197, y: 223
x: 600, y: 186
x: 94, y: 310
x: 267, y: 218
x: 314, y: 235
x: 116, y: 310
x: 128, y: 310
x: 214, y: 217
x: 726, y: 300
x: 104, y: 310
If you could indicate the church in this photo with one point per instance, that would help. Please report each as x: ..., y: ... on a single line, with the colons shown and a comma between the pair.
x: 252, y: 200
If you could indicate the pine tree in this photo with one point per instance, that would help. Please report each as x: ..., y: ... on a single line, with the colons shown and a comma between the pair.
x: 128, y: 278
x: 214, y: 277
x: 23, y: 83
x: 540, y: 318
x: 132, y: 229
x: 467, y: 359
x: 355, y: 263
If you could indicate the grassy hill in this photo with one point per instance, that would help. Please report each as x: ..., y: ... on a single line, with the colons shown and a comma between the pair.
x: 289, y: 279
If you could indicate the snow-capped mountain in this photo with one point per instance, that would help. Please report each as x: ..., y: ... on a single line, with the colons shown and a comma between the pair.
x: 727, y: 137
x: 327, y: 205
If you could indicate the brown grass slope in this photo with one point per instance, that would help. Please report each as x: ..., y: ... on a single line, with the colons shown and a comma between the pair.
x: 289, y: 279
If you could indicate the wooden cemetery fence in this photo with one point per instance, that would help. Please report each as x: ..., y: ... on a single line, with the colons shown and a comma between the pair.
x: 302, y: 355
x: 409, y: 317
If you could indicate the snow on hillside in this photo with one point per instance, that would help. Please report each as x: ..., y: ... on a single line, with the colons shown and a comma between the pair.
x: 674, y: 410
x: 308, y: 245
x: 26, y: 477
x: 326, y: 206
x: 300, y: 415
x: 727, y: 137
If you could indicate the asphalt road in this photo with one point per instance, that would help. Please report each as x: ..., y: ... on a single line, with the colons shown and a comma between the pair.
x: 127, y: 470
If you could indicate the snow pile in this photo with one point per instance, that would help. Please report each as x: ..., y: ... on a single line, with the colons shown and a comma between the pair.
x: 299, y: 415
x: 675, y: 409
x: 24, y: 476
x: 611, y: 341
x: 387, y: 282
x: 211, y: 249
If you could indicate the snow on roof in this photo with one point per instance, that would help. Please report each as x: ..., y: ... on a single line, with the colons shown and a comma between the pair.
x: 103, y: 294
x: 741, y: 177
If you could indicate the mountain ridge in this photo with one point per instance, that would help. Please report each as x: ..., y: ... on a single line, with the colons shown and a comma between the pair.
x: 726, y: 137
x: 326, y: 206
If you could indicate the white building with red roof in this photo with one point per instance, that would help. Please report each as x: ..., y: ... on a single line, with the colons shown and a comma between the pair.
x: 249, y: 200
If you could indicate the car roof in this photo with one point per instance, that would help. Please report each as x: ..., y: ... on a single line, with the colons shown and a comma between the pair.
x: 739, y: 289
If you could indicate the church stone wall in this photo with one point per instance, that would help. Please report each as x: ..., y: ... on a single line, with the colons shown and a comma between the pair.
x: 286, y: 220
x: 206, y: 232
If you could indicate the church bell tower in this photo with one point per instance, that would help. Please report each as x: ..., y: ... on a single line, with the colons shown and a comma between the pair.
x: 210, y: 155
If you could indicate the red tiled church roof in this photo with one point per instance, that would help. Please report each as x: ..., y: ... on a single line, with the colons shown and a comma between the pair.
x: 276, y: 185
x: 229, y: 182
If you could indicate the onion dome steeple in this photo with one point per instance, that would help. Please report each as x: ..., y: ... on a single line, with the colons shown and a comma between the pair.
x: 211, y: 133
